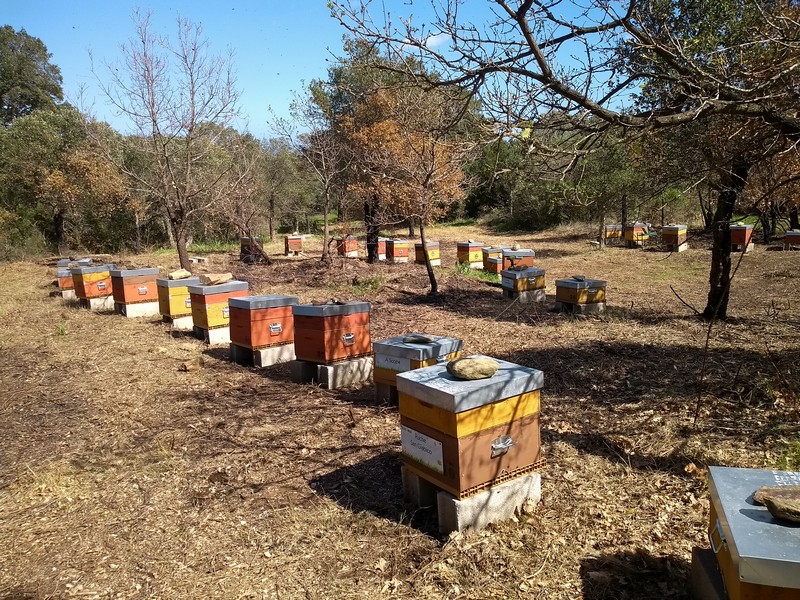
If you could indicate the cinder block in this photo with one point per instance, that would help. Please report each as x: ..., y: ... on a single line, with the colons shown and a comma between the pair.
x: 416, y: 490
x: 679, y: 248
x: 106, y: 303
x: 219, y: 335
x: 498, y: 503
x: 385, y: 393
x: 136, y: 311
x: 633, y: 244
x: 68, y: 295
x: 705, y: 580
x: 265, y: 357
x: 346, y: 373
x: 303, y: 371
x: 526, y: 297
x: 185, y: 323
x: 742, y: 247
x: 594, y: 308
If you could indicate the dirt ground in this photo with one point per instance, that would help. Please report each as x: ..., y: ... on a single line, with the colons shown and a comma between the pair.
x: 137, y: 463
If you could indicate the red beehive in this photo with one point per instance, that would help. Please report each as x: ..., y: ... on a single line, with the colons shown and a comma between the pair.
x: 741, y: 235
x: 327, y: 333
x: 258, y: 322
x: 347, y: 246
x: 132, y: 286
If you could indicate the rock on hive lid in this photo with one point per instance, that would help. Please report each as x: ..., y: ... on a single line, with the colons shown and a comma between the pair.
x: 92, y: 269
x: 173, y: 283
x: 330, y: 310
x: 436, y: 386
x: 257, y: 302
x: 133, y: 272
x: 580, y: 283
x: 440, y: 346
x: 222, y: 288
x: 522, y: 273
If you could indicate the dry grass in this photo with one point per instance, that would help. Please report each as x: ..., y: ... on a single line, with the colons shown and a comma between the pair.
x: 127, y: 478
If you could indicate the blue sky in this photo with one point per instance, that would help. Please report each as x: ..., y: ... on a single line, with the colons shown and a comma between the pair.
x: 278, y: 44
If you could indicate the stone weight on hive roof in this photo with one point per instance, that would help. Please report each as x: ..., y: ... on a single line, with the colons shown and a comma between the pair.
x: 436, y: 386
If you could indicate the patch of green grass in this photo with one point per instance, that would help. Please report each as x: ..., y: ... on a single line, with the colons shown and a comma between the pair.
x: 363, y: 286
x: 213, y: 246
x: 62, y: 328
x: 467, y: 271
x: 458, y: 223
x: 163, y: 251
x: 790, y: 459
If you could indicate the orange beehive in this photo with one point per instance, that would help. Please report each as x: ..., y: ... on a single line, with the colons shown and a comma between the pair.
x: 64, y: 277
x: 489, y: 253
x: 517, y: 258
x: 397, y: 251
x: 292, y: 244
x: 92, y: 282
x: 741, y: 235
x: 636, y: 232
x: 493, y: 264
x: 327, y: 333
x: 347, y: 246
x: 132, y: 286
x: 258, y: 322
x: 673, y: 235
x: 382, y: 248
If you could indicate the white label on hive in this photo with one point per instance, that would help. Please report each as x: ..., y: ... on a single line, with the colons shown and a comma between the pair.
x: 392, y: 363
x: 422, y: 448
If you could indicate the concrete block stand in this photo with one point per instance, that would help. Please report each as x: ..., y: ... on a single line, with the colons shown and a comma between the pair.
x: 346, y: 373
x: 219, y: 335
x: 265, y: 357
x: 105, y: 303
x: 526, y: 297
x: 185, y: 323
x: 594, y: 308
x: 136, y: 311
x: 498, y: 503
x: 742, y: 248
x: 385, y: 393
x: 68, y: 295
x: 679, y: 248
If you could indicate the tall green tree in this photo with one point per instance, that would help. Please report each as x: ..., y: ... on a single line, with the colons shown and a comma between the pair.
x: 28, y: 80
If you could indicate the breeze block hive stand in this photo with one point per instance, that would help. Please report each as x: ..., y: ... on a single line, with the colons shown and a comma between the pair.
x: 175, y: 303
x: 674, y: 238
x: 92, y: 286
x: 393, y: 356
x: 471, y: 446
x: 397, y: 251
x: 210, y: 311
x: 525, y: 284
x: 434, y: 254
x: 753, y: 555
x: 741, y: 238
x: 135, y: 292
x: 262, y: 329
x: 470, y: 253
x: 332, y: 344
x: 580, y: 295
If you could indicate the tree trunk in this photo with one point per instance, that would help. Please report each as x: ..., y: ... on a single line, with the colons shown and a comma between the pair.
x: 181, y: 244
x: 428, y: 267
x: 138, y: 241
x: 326, y: 209
x: 720, y: 274
x: 170, y: 233
x: 602, y: 237
x: 794, y: 218
x: 372, y: 227
x: 624, y: 214
x: 271, y: 218
x: 411, y: 233
x: 705, y: 211
x: 59, y: 223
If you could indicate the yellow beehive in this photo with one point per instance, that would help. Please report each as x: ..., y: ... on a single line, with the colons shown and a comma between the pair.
x: 173, y: 296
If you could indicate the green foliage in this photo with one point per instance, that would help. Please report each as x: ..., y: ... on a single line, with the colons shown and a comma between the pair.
x: 790, y: 459
x: 467, y: 271
x: 366, y: 285
x: 213, y: 246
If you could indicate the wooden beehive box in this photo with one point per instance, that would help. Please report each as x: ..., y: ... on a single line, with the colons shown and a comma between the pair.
x: 433, y: 254
x: 757, y: 554
x: 673, y: 235
x: 92, y: 281
x: 292, y: 244
x: 489, y: 253
x: 258, y: 322
x: 173, y: 296
x: 210, y: 303
x: 134, y: 286
x: 347, y: 246
x: 517, y: 258
x: 327, y: 333
x: 636, y: 232
x: 464, y: 436
x: 611, y: 232
x: 792, y: 237
x: 382, y: 248
x: 522, y: 279
x: 393, y: 355
x: 64, y: 278
x: 741, y: 235
x: 580, y: 290
x: 397, y: 251
x: 470, y: 253
x: 493, y: 264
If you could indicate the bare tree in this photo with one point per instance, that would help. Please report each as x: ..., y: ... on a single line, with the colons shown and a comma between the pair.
x: 179, y: 99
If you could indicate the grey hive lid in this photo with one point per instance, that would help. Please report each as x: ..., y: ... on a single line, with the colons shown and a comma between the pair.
x: 470, y: 244
x: 395, y: 346
x: 580, y: 284
x: 222, y: 288
x: 493, y: 249
x: 518, y: 253
x: 673, y: 228
x: 133, y: 272
x: 391, y: 241
x: 330, y: 310
x: 522, y: 273
x: 92, y: 269
x: 766, y: 550
x: 436, y: 386
x: 173, y: 283
x: 63, y: 272
x: 742, y: 226
x: 257, y: 302
x: 429, y: 244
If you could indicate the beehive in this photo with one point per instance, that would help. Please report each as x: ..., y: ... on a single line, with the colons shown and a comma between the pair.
x: 636, y: 233
x: 757, y: 554
x: 491, y: 252
x: 134, y: 286
x: 347, y: 246
x: 517, y: 258
x: 791, y: 238
x: 249, y: 250
x: 580, y: 290
x: 433, y: 254
x: 64, y: 277
x: 493, y: 264
x: 393, y: 355
x: 258, y: 322
x: 327, y: 333
x: 92, y: 281
x: 741, y: 235
x: 611, y: 232
x: 464, y: 436
x: 210, y: 303
x: 470, y: 253
x: 173, y: 296
x: 397, y: 251
x: 382, y: 248
x: 292, y: 244
x: 522, y: 279
x: 673, y: 235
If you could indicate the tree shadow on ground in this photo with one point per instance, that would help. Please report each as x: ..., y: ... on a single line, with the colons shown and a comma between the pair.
x: 375, y: 486
x: 636, y: 575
